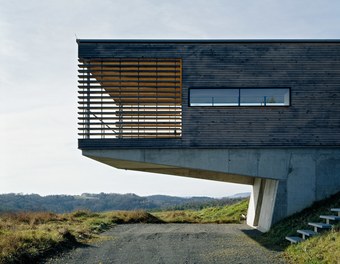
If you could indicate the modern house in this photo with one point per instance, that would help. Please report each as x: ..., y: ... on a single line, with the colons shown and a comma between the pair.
x: 260, y: 112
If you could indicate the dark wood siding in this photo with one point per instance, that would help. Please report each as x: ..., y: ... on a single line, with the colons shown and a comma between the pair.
x: 310, y: 69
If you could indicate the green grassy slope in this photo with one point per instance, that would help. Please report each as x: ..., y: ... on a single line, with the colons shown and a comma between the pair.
x: 324, y: 248
x: 222, y: 214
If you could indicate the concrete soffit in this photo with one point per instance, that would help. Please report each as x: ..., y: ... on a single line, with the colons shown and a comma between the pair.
x: 173, y: 170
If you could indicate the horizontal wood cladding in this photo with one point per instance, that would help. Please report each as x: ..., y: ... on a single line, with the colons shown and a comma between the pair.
x: 311, y: 70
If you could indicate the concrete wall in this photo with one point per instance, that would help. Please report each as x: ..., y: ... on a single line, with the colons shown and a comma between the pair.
x: 284, y: 180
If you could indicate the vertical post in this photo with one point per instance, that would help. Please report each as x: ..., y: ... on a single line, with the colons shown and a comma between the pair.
x: 138, y: 103
x: 101, y: 105
x: 157, y: 98
x: 88, y: 103
x: 120, y: 108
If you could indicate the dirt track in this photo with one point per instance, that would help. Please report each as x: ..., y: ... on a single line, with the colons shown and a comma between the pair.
x: 173, y: 243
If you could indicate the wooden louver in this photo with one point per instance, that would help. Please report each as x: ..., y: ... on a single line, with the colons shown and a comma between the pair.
x: 130, y: 98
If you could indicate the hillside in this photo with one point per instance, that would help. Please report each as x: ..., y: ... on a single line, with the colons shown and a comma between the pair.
x: 104, y: 202
x: 324, y: 248
x: 218, y: 214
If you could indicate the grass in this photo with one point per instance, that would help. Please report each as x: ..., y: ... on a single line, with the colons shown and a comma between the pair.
x: 289, y: 225
x: 324, y: 248
x: 26, y: 237
x: 319, y: 249
x: 221, y: 214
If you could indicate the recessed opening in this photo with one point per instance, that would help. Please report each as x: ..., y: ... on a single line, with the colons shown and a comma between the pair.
x: 130, y: 98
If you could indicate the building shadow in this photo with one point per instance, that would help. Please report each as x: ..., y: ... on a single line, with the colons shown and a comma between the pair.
x: 258, y: 237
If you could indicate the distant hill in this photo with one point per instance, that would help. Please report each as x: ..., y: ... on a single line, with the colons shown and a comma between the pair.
x: 240, y: 195
x: 106, y: 201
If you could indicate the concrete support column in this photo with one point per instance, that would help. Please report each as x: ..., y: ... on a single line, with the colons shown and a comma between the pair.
x: 262, y: 204
x: 253, y: 203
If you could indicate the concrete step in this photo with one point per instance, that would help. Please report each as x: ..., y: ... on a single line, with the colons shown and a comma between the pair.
x: 306, y: 233
x: 336, y: 210
x: 330, y: 217
x: 320, y: 225
x: 294, y: 239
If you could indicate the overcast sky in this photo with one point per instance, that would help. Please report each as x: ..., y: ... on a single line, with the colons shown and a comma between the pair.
x: 38, y: 79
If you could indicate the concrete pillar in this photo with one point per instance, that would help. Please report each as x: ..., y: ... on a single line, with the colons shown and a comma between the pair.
x: 253, y: 203
x: 262, y: 204
x: 268, y: 205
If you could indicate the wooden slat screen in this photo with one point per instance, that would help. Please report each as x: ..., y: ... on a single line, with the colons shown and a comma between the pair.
x: 130, y: 98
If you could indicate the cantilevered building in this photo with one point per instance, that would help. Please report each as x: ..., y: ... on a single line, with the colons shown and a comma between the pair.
x: 260, y: 112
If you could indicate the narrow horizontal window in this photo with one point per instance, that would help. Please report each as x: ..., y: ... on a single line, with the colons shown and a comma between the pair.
x: 240, y: 97
x: 214, y: 97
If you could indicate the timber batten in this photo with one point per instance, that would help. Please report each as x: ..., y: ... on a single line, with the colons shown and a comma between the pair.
x: 130, y: 98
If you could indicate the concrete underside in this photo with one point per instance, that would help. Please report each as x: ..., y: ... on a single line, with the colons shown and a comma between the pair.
x: 284, y: 180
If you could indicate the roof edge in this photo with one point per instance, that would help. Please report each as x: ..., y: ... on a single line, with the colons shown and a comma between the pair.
x: 208, y: 41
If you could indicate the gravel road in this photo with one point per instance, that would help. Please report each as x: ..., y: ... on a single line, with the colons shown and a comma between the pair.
x: 173, y: 243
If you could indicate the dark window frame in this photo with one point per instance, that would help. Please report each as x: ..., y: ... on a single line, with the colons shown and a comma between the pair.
x: 239, y: 90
